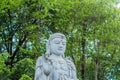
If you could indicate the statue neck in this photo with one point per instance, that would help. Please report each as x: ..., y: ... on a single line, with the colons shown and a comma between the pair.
x: 56, y: 56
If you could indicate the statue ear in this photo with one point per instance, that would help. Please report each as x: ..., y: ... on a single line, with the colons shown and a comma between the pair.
x: 47, y: 48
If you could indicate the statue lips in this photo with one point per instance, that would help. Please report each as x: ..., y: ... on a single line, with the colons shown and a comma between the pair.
x: 60, y: 49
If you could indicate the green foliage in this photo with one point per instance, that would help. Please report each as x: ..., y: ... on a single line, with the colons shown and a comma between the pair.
x: 4, y: 69
x: 25, y: 77
x: 25, y: 66
x: 25, y: 26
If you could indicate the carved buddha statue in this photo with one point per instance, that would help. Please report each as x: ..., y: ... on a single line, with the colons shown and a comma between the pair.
x: 53, y: 65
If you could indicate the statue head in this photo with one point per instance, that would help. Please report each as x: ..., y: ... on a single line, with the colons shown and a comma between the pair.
x: 56, y: 44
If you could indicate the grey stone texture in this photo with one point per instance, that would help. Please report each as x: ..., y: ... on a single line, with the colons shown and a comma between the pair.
x: 53, y: 65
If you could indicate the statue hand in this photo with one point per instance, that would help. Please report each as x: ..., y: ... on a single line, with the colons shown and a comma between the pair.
x: 46, y: 68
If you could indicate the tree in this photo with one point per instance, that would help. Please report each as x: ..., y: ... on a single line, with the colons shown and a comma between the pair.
x: 91, y: 27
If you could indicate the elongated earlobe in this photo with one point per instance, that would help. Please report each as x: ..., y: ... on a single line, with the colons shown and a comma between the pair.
x: 47, y: 48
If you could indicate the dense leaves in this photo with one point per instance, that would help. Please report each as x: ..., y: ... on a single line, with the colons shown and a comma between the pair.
x: 91, y: 27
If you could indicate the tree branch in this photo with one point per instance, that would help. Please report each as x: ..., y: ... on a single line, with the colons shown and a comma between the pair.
x: 17, y: 49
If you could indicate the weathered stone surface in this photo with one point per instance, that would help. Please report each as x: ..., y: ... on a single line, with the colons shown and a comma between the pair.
x: 53, y: 65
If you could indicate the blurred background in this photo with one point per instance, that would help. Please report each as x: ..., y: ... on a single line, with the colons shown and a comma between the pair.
x: 92, y: 29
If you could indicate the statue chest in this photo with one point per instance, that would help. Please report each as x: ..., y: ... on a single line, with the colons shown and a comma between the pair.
x: 60, y: 66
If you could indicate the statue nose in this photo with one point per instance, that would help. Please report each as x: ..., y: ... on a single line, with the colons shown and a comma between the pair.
x: 61, y: 45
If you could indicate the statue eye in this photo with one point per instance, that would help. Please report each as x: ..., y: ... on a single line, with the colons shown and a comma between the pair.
x: 57, y: 42
x: 64, y: 43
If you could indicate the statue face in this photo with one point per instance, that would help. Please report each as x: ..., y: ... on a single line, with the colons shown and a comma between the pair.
x: 57, y: 46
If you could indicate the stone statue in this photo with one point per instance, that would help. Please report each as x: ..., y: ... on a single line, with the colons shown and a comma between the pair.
x: 53, y: 65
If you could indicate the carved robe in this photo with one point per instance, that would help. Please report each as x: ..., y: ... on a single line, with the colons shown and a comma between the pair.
x: 55, y: 69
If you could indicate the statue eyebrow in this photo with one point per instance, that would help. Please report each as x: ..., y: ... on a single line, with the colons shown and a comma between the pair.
x: 58, y: 41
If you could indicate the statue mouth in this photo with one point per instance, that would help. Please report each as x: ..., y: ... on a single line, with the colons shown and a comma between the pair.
x: 60, y: 49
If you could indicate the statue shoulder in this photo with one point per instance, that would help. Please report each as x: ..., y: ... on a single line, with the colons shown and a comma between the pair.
x: 39, y: 61
x: 69, y: 61
x: 39, y: 68
x: 70, y: 64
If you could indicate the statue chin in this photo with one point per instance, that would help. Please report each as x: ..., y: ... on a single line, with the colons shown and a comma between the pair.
x: 58, y: 53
